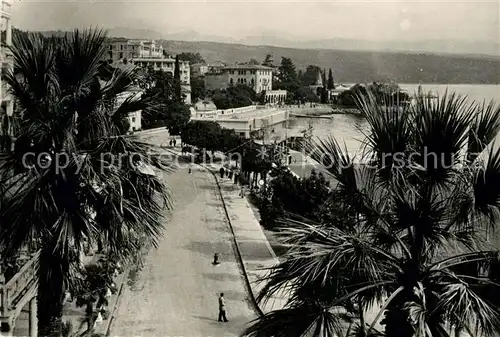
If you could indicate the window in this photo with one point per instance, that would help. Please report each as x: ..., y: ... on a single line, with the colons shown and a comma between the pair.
x: 110, y: 55
x: 133, y: 119
x: 231, y: 72
x: 121, y: 55
x: 253, y: 72
x: 121, y: 47
x: 231, y: 81
x: 253, y: 81
x: 110, y: 47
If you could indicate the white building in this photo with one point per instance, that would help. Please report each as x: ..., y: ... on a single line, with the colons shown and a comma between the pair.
x: 258, y: 77
x: 6, y: 60
x: 247, y: 120
x: 122, y: 48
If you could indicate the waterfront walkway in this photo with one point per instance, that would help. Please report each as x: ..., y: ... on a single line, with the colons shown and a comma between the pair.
x: 176, y: 294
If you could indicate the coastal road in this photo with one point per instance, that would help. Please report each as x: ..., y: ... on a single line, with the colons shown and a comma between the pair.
x: 177, y: 291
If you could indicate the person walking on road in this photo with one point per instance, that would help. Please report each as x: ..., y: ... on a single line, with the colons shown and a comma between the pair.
x: 222, y: 308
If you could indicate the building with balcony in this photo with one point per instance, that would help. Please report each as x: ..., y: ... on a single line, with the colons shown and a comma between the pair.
x: 258, y: 77
x: 168, y: 65
x: 6, y: 59
x: 122, y: 48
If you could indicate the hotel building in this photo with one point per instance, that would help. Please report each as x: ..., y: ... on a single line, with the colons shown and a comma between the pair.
x: 146, y: 54
x: 260, y: 78
x: 6, y: 59
x: 122, y: 48
x: 168, y: 65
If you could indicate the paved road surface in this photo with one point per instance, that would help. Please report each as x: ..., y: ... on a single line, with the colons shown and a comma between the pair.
x: 176, y: 294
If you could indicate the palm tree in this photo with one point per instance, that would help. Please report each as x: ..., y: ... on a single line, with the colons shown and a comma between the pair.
x: 73, y: 178
x: 412, y: 225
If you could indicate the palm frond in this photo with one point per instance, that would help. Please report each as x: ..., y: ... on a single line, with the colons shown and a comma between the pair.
x: 307, y: 320
x: 464, y: 306
x: 441, y: 131
x: 485, y: 127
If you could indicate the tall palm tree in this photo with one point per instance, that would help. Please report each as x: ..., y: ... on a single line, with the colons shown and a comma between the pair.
x: 413, y: 223
x: 73, y: 178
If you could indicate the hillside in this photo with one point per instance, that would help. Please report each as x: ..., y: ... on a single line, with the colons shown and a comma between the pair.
x: 359, y: 66
x: 348, y: 66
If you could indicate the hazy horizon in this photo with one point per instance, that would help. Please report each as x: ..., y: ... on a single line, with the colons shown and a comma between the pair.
x: 401, y: 20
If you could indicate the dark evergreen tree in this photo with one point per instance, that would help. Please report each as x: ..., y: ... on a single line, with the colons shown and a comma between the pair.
x: 310, y: 76
x: 177, y: 79
x: 331, y: 83
x: 287, y: 77
x: 268, y: 61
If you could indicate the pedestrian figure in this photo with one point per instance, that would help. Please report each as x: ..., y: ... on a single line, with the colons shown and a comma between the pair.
x: 89, y: 318
x: 222, y: 308
x: 216, y: 259
x: 242, y: 191
x: 221, y: 171
x: 170, y: 143
x: 175, y: 142
x: 189, y: 169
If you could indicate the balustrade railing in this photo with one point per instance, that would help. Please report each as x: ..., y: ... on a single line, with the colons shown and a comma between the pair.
x: 12, y: 291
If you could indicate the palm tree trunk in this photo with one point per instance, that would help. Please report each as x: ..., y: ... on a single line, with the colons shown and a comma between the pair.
x: 51, y: 291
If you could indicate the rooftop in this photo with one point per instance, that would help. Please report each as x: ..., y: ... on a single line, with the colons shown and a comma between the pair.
x: 247, y: 66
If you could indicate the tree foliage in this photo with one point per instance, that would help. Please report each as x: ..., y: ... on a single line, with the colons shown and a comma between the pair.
x: 192, y: 58
x: 159, y: 87
x: 177, y: 80
x: 234, y: 97
x: 288, y: 195
x: 268, y: 61
x: 197, y: 88
x: 384, y: 94
x: 287, y: 78
x: 405, y: 232
x: 310, y: 76
x: 64, y: 166
x: 331, y: 83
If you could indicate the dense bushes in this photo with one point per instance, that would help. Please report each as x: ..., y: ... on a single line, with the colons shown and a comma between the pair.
x: 290, y: 196
x: 234, y: 97
x: 382, y: 92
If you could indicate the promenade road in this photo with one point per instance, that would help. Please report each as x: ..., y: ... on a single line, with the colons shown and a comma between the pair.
x: 177, y: 292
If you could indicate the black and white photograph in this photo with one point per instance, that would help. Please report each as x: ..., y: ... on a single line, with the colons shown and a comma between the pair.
x: 250, y: 168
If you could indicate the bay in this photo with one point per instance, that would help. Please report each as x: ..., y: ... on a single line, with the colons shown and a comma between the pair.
x: 350, y: 129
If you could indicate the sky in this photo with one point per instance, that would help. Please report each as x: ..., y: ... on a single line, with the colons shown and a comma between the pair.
x: 400, y: 20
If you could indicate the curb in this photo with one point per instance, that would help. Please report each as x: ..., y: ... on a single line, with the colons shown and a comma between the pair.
x: 248, y: 285
x: 237, y: 248
x: 117, y: 302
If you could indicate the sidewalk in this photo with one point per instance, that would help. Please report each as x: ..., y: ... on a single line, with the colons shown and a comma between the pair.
x: 254, y: 248
x: 75, y: 315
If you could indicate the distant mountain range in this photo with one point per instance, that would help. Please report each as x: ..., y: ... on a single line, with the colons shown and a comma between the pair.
x: 280, y: 39
x: 352, y: 61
